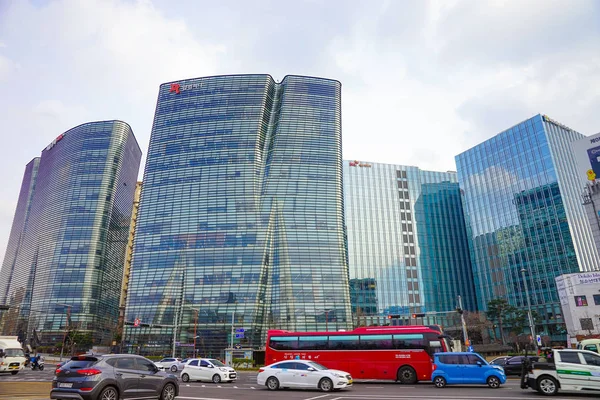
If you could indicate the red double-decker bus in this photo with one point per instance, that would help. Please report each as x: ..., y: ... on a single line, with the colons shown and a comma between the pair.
x: 401, y: 353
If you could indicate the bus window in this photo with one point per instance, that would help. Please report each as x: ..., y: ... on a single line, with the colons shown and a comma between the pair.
x: 410, y: 341
x: 343, y: 342
x: 284, y: 342
x: 375, y: 342
x: 312, y: 343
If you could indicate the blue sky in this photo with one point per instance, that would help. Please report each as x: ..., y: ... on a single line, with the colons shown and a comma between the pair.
x: 421, y: 80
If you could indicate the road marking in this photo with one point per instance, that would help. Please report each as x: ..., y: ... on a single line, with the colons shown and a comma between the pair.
x: 318, y: 397
x: 202, y: 398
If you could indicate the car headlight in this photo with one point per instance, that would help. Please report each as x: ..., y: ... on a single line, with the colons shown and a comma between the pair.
x: 223, y: 369
x: 338, y: 375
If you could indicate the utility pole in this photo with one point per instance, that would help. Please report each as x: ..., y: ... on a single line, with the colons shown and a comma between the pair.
x: 175, y: 330
x: 62, y: 349
x: 462, y: 320
x: 529, y: 315
x: 195, y: 331
x: 232, y: 333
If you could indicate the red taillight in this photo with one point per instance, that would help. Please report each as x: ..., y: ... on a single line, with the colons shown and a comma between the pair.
x: 261, y: 370
x: 58, y: 371
x: 86, y: 389
x: 433, y: 367
x: 89, y: 371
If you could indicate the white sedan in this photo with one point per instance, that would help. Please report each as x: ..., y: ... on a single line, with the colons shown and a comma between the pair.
x: 167, y: 364
x: 302, y: 374
x: 207, y: 369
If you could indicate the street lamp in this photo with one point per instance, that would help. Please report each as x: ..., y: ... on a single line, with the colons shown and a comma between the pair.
x: 529, y: 315
x: 62, y: 348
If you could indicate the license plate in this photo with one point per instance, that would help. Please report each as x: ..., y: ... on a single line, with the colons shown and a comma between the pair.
x: 14, y: 367
x: 65, y: 385
x: 232, y: 375
x: 349, y: 381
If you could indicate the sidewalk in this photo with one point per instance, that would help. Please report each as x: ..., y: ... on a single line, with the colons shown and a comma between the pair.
x: 25, y: 390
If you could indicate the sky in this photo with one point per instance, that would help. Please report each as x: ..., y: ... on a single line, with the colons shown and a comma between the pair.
x: 422, y: 80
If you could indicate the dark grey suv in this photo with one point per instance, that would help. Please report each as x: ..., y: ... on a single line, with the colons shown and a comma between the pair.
x: 112, y: 377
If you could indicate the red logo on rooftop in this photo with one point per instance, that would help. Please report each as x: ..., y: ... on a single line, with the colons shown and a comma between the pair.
x: 174, y: 88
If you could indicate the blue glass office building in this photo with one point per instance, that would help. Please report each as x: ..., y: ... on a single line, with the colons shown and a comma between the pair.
x: 241, y: 215
x: 69, y: 259
x: 524, y: 211
x: 407, y: 242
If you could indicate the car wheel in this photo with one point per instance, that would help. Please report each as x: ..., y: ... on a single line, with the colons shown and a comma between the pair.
x: 547, y: 385
x: 216, y: 378
x: 109, y: 393
x: 174, y: 368
x: 14, y: 372
x: 168, y: 392
x: 185, y: 377
x: 326, y: 385
x: 407, y: 375
x: 493, y: 382
x: 439, y: 382
x: 272, y: 383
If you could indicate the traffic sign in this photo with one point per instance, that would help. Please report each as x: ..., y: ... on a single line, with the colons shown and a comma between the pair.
x: 539, y: 339
x: 237, y: 346
x: 137, y: 322
x: 239, y: 335
x: 239, y: 330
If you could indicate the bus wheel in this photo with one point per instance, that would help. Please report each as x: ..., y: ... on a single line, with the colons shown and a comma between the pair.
x: 407, y: 375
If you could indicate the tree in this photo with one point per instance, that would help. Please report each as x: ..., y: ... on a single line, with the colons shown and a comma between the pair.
x: 499, y: 310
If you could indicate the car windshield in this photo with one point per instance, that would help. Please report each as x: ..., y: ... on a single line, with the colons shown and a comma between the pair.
x: 14, y: 353
x: 317, y: 366
x: 217, y: 363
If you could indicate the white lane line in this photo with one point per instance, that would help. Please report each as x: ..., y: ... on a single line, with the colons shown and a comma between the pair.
x: 202, y: 398
x: 318, y: 397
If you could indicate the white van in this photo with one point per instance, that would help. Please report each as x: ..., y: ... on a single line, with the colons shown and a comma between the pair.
x: 589, y: 344
x: 12, y: 357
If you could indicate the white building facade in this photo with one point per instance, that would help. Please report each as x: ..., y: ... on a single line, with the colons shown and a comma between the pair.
x: 579, y: 295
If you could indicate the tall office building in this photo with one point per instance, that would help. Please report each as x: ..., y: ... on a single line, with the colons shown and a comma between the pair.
x: 241, y: 216
x: 68, y: 267
x: 524, y: 212
x: 407, y: 242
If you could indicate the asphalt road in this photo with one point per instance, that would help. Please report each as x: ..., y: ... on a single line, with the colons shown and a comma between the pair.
x: 245, y: 388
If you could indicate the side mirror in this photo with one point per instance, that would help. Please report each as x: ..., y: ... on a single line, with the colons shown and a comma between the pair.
x: 155, y: 368
x: 479, y: 363
x: 311, y: 369
x: 210, y: 366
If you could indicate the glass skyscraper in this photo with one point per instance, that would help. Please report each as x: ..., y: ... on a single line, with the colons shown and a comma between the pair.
x: 241, y: 215
x: 66, y: 271
x: 524, y: 211
x: 407, y: 242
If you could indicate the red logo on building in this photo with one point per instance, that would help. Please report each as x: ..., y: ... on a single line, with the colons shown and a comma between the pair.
x: 174, y: 88
x: 354, y: 163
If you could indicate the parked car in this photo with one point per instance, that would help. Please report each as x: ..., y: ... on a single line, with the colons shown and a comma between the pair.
x: 114, y: 376
x: 500, y: 360
x: 465, y: 368
x: 167, y: 364
x: 514, y: 365
x: 302, y: 374
x: 566, y: 369
x: 207, y: 369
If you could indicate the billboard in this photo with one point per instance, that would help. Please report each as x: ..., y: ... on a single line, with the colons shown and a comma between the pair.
x: 587, y: 154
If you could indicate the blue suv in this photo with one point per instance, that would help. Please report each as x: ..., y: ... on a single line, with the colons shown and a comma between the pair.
x: 465, y: 368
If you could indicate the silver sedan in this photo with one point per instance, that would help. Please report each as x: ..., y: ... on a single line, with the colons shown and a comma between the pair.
x: 302, y: 374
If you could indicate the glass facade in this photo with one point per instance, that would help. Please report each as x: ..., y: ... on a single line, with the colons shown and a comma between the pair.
x: 18, y: 227
x: 407, y: 242
x: 241, y: 215
x: 69, y: 263
x: 523, y: 210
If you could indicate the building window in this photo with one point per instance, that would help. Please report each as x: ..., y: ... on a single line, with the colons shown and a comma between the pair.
x: 586, y: 324
x: 597, y: 299
x: 581, y: 301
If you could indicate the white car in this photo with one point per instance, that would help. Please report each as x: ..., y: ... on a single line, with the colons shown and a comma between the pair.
x: 207, y: 369
x: 302, y: 374
x: 167, y: 364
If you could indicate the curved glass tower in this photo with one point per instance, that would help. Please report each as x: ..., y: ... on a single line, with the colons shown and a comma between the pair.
x: 69, y: 263
x: 240, y: 223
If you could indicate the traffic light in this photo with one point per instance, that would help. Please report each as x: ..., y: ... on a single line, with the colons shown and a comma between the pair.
x: 459, y: 310
x: 418, y: 315
x: 392, y: 316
